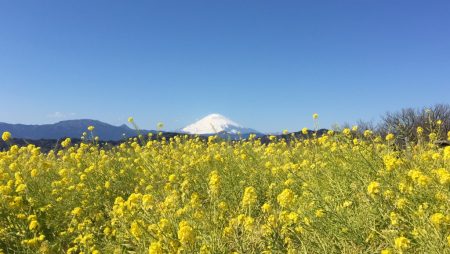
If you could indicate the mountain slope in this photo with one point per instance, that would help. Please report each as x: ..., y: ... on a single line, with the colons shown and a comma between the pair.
x: 218, y: 124
x: 69, y: 128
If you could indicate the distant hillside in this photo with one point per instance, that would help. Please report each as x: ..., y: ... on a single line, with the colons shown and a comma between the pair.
x: 69, y: 128
x: 48, y: 136
x: 55, y: 144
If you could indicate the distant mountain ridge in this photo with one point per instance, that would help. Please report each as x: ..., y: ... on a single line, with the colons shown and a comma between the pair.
x: 213, y: 124
x: 71, y: 129
x: 48, y: 136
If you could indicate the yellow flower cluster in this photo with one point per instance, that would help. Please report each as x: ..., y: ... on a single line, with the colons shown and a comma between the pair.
x: 250, y: 197
x: 66, y: 142
x: 286, y: 198
x: 373, y: 188
x: 214, y: 183
x: 6, y: 136
x: 349, y: 190
x: 186, y: 233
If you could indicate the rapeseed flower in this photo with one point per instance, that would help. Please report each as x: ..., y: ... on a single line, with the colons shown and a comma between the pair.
x: 390, y: 137
x: 33, y: 225
x: 6, y: 136
x: 373, y: 188
x: 155, y: 248
x: 419, y: 130
x: 305, y: 131
x: 286, y: 198
x: 76, y: 211
x: 346, y: 131
x: 66, y: 142
x: 402, y: 243
x: 214, y: 182
x: 250, y: 197
x: 186, y: 233
x: 437, y: 219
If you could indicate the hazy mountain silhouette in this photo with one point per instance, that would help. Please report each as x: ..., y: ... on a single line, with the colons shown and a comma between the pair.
x: 70, y: 128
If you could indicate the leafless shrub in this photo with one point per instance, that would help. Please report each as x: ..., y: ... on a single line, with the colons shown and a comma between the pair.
x: 404, y: 123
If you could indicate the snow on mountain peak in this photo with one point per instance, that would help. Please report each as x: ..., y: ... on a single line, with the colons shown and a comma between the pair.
x: 215, y: 123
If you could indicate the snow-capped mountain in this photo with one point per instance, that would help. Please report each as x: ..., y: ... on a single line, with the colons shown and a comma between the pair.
x: 216, y: 123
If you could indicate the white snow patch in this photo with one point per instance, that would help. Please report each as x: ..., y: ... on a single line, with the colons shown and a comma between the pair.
x: 215, y: 123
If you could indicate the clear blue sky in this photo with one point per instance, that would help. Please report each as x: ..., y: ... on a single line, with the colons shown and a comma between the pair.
x: 265, y: 64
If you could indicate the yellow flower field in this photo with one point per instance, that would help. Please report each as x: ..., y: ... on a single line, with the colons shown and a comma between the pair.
x: 339, y: 193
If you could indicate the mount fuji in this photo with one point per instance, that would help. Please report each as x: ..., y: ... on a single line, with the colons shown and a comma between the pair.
x: 218, y: 124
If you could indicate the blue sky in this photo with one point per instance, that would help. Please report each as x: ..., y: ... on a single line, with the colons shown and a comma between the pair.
x: 265, y: 64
